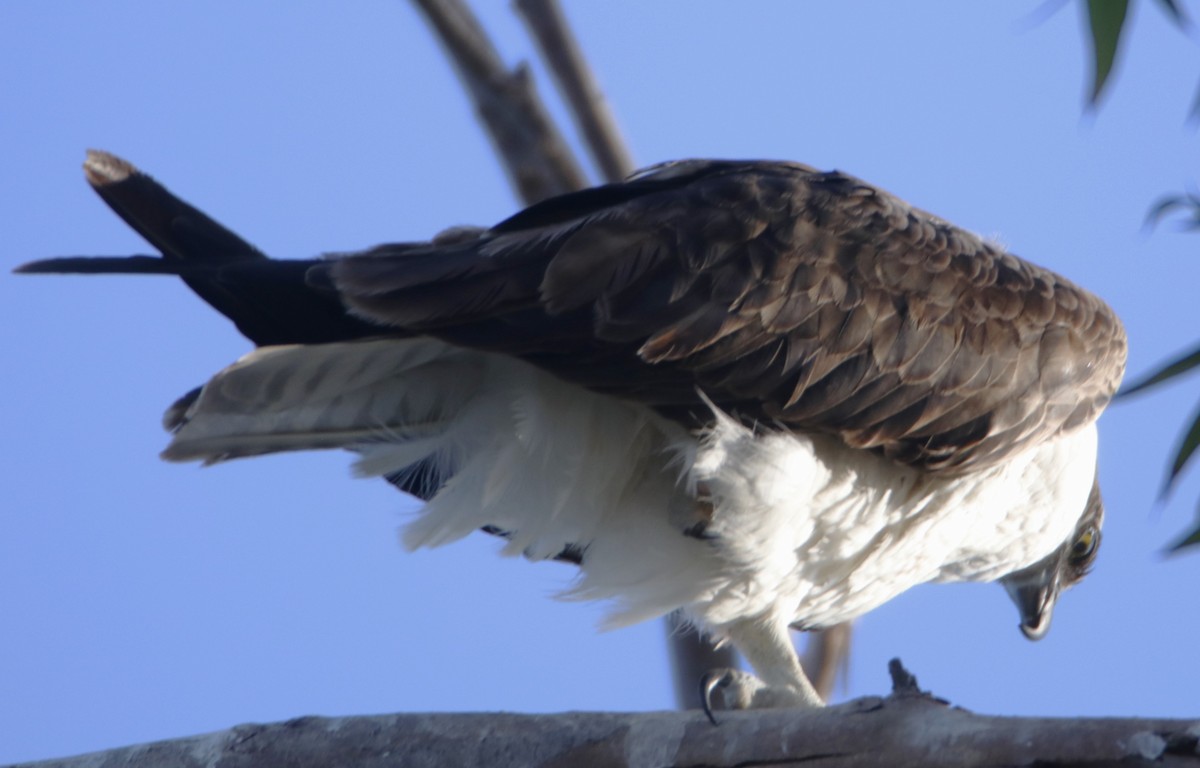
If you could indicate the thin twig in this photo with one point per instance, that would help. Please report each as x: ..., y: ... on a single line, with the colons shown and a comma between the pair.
x: 578, y: 86
x: 534, y: 153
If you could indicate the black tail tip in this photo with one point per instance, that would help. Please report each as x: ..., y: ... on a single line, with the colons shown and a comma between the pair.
x: 104, y: 265
x: 39, y: 267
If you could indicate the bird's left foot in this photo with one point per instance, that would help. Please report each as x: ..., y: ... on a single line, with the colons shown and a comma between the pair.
x: 736, y: 689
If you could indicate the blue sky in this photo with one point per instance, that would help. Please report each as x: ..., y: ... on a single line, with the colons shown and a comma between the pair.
x: 142, y: 600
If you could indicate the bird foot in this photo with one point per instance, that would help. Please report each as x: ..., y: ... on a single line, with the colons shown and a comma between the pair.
x: 736, y: 689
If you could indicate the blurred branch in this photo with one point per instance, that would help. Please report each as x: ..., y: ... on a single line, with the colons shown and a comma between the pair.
x: 692, y: 656
x: 826, y: 656
x: 534, y: 153
x: 578, y: 85
x: 540, y: 164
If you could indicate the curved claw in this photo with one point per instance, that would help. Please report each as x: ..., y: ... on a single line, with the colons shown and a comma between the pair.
x: 709, y: 682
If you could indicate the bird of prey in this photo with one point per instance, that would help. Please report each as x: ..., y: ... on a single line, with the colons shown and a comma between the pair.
x: 758, y: 394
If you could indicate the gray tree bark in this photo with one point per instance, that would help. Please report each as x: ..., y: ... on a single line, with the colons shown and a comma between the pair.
x: 895, y: 732
x: 908, y: 728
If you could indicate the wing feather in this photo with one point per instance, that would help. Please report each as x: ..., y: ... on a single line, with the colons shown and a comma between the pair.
x: 800, y: 298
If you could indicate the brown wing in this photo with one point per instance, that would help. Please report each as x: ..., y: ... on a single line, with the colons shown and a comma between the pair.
x: 811, y: 299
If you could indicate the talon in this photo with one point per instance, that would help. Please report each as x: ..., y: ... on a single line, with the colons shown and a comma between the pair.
x: 742, y: 690
x: 709, y: 682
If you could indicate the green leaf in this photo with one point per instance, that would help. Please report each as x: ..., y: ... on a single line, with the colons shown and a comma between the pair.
x: 1186, y: 450
x: 1106, y: 19
x: 1180, y: 365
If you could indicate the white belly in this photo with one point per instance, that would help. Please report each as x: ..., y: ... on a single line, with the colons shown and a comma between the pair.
x: 817, y: 533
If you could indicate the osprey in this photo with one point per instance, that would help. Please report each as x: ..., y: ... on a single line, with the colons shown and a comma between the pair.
x: 764, y: 396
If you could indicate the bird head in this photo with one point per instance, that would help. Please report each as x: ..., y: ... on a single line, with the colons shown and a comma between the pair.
x: 1035, y: 588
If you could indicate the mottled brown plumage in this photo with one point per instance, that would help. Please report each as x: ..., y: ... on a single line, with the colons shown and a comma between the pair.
x: 786, y: 294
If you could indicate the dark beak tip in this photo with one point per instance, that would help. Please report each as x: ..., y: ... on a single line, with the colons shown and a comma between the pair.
x: 1035, y: 631
x: 1034, y: 595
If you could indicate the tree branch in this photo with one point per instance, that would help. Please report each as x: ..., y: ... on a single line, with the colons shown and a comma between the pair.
x: 578, y: 85
x: 536, y: 157
x: 898, y: 731
x: 691, y: 655
x: 540, y: 164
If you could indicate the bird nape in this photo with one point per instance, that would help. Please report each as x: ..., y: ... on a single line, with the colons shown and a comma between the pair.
x: 761, y: 395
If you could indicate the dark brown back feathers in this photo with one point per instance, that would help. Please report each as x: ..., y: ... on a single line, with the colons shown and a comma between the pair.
x: 786, y: 294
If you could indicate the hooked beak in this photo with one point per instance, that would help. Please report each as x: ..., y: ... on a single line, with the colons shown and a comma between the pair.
x: 1034, y: 590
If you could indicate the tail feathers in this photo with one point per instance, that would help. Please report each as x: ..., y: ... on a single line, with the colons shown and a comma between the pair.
x: 170, y: 224
x: 345, y: 395
x: 270, y: 301
x: 182, y: 233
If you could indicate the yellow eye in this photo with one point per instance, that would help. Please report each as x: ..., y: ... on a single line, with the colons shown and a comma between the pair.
x: 1085, y: 545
